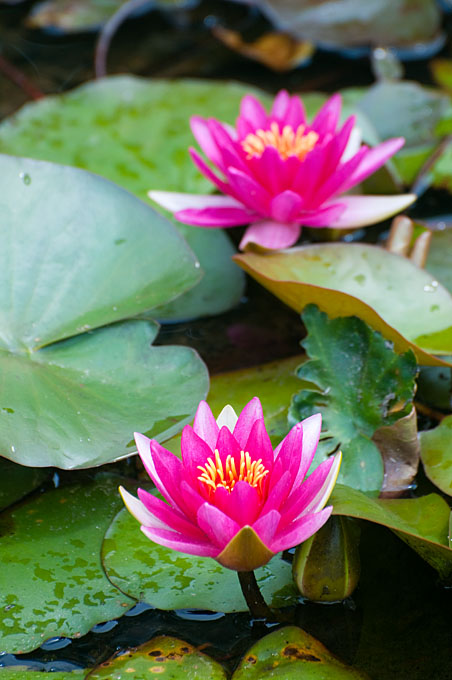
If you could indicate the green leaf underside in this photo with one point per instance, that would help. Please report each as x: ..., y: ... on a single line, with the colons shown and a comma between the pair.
x: 17, y: 481
x: 387, y: 291
x: 137, y: 134
x: 57, y: 586
x: 423, y: 523
x: 357, y: 379
x: 436, y: 454
x: 162, y: 656
x: 167, y: 579
x: 96, y: 257
x: 289, y: 653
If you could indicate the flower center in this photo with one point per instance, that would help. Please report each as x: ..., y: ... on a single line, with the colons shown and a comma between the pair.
x: 288, y: 143
x: 215, y: 474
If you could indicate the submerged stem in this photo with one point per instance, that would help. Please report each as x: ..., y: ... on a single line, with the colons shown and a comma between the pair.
x: 253, y: 596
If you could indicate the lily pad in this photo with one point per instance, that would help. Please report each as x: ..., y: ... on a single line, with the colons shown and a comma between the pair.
x: 439, y: 257
x: 16, y: 481
x: 423, y: 523
x: 167, y: 656
x: 66, y: 401
x: 359, y: 385
x: 24, y: 673
x: 289, y: 653
x: 56, y: 586
x: 387, y: 291
x: 136, y: 133
x: 167, y: 579
x: 436, y: 455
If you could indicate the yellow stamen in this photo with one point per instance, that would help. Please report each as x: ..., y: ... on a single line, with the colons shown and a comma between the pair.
x: 215, y: 474
x: 287, y: 143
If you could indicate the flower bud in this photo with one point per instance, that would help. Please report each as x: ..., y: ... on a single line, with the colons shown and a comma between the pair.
x: 326, y: 567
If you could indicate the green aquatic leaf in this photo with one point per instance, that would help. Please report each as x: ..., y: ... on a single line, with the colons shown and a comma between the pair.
x: 166, y: 656
x: 387, y: 291
x: 24, y: 673
x: 359, y: 384
x: 16, y: 480
x: 57, y: 586
x: 436, y: 454
x: 136, y: 133
x: 291, y: 653
x: 167, y: 579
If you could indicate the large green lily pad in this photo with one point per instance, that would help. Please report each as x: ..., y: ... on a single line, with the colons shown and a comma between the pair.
x: 358, y: 384
x: 168, y: 579
x: 16, y: 481
x: 436, y: 454
x: 23, y: 673
x: 67, y: 267
x: 162, y: 656
x: 439, y: 257
x: 136, y: 133
x: 423, y: 523
x: 51, y: 577
x: 387, y: 291
x: 289, y: 653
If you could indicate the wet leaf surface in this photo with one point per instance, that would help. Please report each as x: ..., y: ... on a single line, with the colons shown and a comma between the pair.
x: 66, y: 400
x: 163, y: 656
x: 57, y: 586
x: 136, y: 133
x: 436, y: 454
x: 358, y: 385
x: 16, y: 481
x: 439, y: 257
x: 167, y: 579
x: 292, y: 653
x: 423, y: 523
x: 387, y: 291
x: 23, y: 673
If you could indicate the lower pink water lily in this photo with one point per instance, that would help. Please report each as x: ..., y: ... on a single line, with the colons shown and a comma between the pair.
x: 277, y: 172
x: 232, y: 497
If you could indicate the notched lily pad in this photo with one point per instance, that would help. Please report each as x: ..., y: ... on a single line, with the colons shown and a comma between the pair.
x: 387, y: 291
x: 57, y: 586
x: 436, y: 454
x: 292, y: 653
x: 163, y: 656
x: 167, y: 579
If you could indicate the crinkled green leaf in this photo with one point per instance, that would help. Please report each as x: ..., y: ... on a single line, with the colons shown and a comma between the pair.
x: 168, y: 579
x: 164, y: 656
x: 436, y: 454
x: 423, y: 523
x: 72, y: 265
x: 136, y: 133
x: 51, y: 578
x: 289, y: 653
x: 359, y: 385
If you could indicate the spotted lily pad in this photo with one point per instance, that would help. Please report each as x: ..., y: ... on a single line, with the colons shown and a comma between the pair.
x: 436, y: 455
x: 68, y: 267
x: 423, y: 523
x: 51, y: 577
x: 289, y: 653
x: 136, y: 133
x: 406, y: 304
x: 167, y: 579
x: 24, y: 673
x: 162, y: 656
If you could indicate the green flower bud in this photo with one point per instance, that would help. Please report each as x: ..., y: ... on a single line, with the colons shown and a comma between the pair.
x: 326, y: 567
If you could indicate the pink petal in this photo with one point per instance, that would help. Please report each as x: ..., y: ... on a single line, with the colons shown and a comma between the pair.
x: 248, y: 191
x: 165, y: 514
x: 252, y: 116
x: 321, y: 497
x: 162, y: 466
x: 205, y: 425
x: 259, y: 445
x: 301, y: 499
x: 170, y: 539
x: 374, y: 159
x: 207, y: 172
x: 295, y: 115
x: 191, y: 499
x: 223, y: 140
x: 299, y: 531
x: 280, y: 107
x: 325, y: 216
x: 217, y: 217
x: 278, y: 493
x: 170, y: 200
x: 139, y: 511
x: 195, y: 451
x: 243, y: 504
x: 271, y: 235
x: 339, y: 179
x: 360, y: 211
x: 273, y: 172
x: 227, y: 445
x: 217, y: 526
x: 327, y: 118
x: 246, y: 420
x: 336, y: 147
x: 311, y: 435
x: 266, y: 527
x: 353, y: 145
x: 202, y: 134
x: 285, y: 206
x: 308, y: 175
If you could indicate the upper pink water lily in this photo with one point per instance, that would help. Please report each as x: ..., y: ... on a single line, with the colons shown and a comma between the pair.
x: 277, y: 172
x: 232, y: 497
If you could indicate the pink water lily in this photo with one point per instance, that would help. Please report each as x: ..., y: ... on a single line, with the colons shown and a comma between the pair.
x: 277, y: 172
x: 232, y: 497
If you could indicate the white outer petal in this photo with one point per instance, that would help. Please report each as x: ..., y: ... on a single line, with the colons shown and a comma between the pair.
x: 140, y: 512
x: 227, y: 418
x: 171, y: 200
x: 320, y: 499
x: 361, y: 211
x: 353, y: 144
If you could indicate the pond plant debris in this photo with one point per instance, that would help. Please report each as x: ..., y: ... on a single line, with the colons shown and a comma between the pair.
x: 279, y: 172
